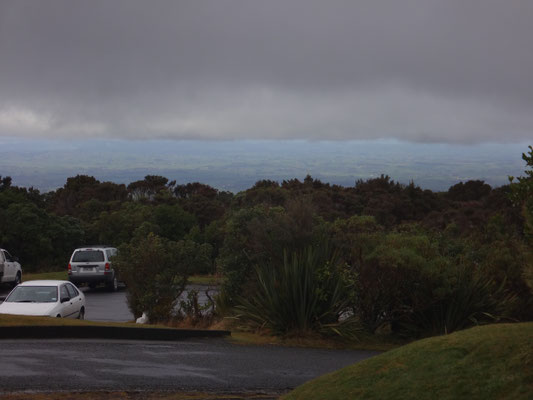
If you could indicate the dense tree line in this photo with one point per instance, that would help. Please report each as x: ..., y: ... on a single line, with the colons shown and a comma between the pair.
x: 105, y: 212
x: 407, y: 256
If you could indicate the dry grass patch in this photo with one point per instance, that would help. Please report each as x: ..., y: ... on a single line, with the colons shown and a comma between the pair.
x: 23, y: 320
x: 364, y: 342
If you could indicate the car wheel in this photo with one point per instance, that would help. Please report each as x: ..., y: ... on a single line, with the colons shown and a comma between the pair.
x: 113, y: 285
x: 17, y: 280
x: 81, y: 315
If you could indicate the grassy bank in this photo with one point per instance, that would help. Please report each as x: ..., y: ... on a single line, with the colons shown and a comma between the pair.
x: 489, y: 362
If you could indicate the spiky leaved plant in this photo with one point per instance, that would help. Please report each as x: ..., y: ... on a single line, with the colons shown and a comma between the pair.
x: 465, y: 298
x: 311, y: 291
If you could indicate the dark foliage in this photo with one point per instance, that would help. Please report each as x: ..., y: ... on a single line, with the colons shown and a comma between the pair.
x: 204, y: 202
x: 155, y: 274
x: 84, y: 196
x: 310, y: 291
x: 419, y: 256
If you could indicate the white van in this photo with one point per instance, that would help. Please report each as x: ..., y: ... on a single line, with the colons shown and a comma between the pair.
x: 10, y: 269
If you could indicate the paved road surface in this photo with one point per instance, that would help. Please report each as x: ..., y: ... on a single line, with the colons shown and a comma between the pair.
x: 192, y: 365
x: 102, y: 305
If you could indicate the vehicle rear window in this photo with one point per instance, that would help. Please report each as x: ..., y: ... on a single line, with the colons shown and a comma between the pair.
x: 88, y: 256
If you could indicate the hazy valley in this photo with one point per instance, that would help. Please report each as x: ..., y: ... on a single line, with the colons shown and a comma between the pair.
x: 237, y: 165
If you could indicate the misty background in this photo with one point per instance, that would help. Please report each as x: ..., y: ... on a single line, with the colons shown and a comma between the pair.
x: 228, y: 92
x: 237, y: 165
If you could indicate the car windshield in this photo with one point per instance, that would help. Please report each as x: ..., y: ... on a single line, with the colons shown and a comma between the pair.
x: 33, y: 294
x: 88, y: 256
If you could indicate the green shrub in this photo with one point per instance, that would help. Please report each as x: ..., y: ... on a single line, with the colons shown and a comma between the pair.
x: 310, y: 291
x: 389, y: 274
x: 259, y: 235
x: 155, y: 274
x: 418, y: 287
x: 457, y: 299
x: 196, y: 256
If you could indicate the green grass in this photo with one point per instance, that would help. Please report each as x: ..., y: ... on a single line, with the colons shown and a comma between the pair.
x: 489, y: 362
x: 58, y: 275
x: 62, y: 275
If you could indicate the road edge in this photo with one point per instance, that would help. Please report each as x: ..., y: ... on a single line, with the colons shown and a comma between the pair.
x: 106, y: 332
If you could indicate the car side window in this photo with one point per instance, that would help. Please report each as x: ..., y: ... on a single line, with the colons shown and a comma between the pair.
x: 72, y: 291
x: 64, y: 292
x: 8, y: 257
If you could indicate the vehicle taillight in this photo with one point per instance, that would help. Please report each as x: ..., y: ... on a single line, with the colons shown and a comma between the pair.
x: 107, y: 267
x: 69, y: 269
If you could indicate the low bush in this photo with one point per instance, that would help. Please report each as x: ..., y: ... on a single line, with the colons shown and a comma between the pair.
x: 259, y: 235
x: 453, y: 300
x: 194, y: 314
x: 155, y: 275
x: 390, y: 274
x: 412, y: 285
x: 310, y: 291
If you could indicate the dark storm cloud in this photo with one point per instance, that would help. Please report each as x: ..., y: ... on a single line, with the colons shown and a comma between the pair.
x: 419, y: 70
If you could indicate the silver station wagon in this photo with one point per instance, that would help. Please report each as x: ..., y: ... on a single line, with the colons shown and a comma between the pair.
x: 93, y: 266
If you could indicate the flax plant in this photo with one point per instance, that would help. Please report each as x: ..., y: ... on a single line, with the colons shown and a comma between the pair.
x: 310, y: 292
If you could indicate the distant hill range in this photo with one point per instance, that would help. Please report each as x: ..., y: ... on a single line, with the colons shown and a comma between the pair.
x: 237, y: 165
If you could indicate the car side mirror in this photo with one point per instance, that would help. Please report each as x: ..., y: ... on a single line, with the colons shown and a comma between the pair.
x: 64, y: 299
x: 16, y: 259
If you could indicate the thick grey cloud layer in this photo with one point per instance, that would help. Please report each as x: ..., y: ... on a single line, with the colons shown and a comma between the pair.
x: 421, y: 70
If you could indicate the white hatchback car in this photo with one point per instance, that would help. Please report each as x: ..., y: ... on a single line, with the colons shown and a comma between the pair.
x: 45, y: 298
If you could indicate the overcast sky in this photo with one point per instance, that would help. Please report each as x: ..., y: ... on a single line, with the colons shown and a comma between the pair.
x: 454, y: 71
